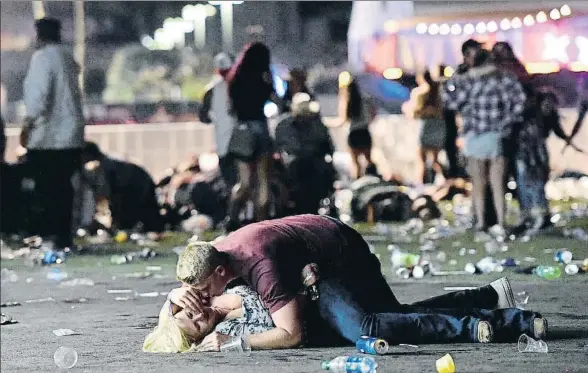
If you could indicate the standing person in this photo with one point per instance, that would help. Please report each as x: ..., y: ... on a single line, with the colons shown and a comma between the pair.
x: 426, y: 105
x: 505, y: 59
x: 354, y: 297
x: 250, y: 88
x: 532, y: 159
x: 2, y: 140
x: 53, y: 132
x: 468, y: 50
x: 490, y: 102
x: 216, y: 102
x: 296, y: 84
x: 583, y: 107
x: 359, y: 112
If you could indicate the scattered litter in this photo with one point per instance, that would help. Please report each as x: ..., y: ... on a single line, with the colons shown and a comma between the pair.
x: 6, y: 320
x: 65, y: 332
x: 122, y: 298
x: 10, y: 304
x: 547, y: 272
x: 563, y: 256
x: 459, y: 288
x: 78, y: 282
x: 65, y: 357
x: 351, y: 364
x: 29, y: 280
x: 445, y: 364
x: 42, y: 300
x: 372, y: 346
x: 407, y: 345
x: 472, y: 251
x: 522, y: 298
x: 56, y: 274
x: 453, y: 262
x: 153, y: 268
x: 76, y: 301
x: 140, y: 275
x: 149, y: 295
x: 179, y: 249
x: 7, y: 275
x: 120, y: 291
x: 530, y: 259
x: 528, y: 344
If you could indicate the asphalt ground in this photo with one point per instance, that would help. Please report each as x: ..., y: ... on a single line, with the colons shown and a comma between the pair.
x: 113, y: 326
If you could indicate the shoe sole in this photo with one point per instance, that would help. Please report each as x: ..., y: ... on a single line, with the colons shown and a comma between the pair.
x: 507, y: 300
x: 540, y: 328
x: 485, y: 333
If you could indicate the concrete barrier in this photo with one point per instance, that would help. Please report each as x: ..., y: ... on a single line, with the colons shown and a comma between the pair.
x: 159, y: 146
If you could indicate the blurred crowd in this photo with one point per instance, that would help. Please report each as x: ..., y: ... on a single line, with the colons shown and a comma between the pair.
x: 488, y: 119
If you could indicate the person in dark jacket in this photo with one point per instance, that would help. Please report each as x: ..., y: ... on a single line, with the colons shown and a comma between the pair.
x: 305, y: 146
x: 125, y: 188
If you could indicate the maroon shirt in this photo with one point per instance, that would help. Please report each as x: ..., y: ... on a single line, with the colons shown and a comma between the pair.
x: 270, y: 255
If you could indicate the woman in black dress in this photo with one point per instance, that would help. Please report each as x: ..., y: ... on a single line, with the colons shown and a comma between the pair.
x: 359, y: 113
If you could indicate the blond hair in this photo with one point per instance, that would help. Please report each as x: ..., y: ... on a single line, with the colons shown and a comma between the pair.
x: 167, y: 337
x: 197, y: 262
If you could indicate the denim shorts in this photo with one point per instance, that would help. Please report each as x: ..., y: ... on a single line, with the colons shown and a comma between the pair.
x: 262, y: 138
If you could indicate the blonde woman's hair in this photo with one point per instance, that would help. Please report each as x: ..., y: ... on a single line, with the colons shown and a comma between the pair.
x: 197, y: 262
x: 167, y: 337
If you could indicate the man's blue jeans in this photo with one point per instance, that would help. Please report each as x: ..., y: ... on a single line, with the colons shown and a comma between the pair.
x: 531, y: 190
x: 429, y: 321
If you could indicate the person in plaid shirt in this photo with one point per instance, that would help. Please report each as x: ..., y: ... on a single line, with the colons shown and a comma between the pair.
x: 490, y: 102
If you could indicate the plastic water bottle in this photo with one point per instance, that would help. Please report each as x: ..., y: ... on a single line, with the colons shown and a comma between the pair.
x: 563, y: 256
x: 548, y: 272
x: 351, y: 364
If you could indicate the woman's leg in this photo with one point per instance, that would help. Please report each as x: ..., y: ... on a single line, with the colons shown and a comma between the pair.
x: 263, y: 189
x: 423, y: 165
x: 355, y: 153
x: 478, y: 173
x: 497, y: 172
x: 241, y: 191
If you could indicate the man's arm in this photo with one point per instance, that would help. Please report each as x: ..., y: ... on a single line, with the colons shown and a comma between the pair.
x: 454, y: 93
x: 37, y: 87
x: 204, y: 112
x: 514, y: 99
x: 288, y: 332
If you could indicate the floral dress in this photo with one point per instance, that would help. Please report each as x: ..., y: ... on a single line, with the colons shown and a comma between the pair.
x: 256, y: 317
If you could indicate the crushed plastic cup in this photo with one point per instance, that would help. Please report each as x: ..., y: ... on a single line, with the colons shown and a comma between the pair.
x: 522, y: 298
x: 445, y: 364
x: 65, y: 332
x: 239, y: 344
x: 528, y: 344
x: 65, y: 357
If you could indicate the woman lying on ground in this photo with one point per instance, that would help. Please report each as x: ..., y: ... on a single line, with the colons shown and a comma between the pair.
x: 238, y: 312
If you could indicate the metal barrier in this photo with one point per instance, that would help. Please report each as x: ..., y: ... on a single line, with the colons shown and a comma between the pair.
x: 160, y: 146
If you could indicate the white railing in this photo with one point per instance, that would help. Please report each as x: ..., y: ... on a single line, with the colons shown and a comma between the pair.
x: 160, y: 146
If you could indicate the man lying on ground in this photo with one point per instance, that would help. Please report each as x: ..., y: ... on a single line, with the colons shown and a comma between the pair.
x: 354, y: 297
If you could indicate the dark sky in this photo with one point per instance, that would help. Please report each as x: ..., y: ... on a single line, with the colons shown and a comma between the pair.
x: 121, y: 21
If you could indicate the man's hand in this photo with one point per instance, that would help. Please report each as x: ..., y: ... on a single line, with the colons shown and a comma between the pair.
x: 212, y: 342
x: 190, y: 300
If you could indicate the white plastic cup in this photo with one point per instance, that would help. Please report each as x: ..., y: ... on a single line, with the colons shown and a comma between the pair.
x: 65, y: 357
x: 528, y: 344
x: 239, y: 344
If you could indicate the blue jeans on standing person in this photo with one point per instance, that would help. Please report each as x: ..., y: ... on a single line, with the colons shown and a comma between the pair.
x: 358, y: 301
x: 531, y: 190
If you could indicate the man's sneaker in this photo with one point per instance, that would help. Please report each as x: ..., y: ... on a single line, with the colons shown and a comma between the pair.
x: 485, y: 332
x: 539, y: 328
x: 506, y: 297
